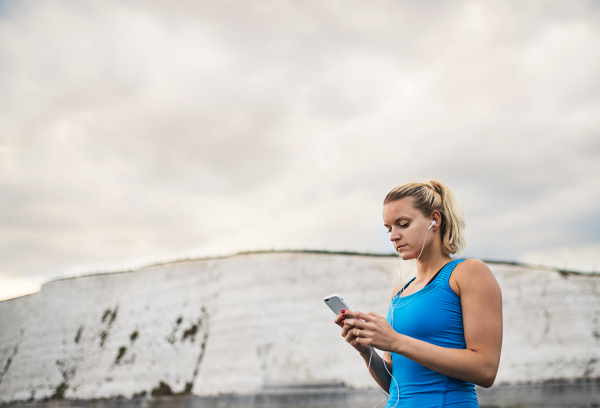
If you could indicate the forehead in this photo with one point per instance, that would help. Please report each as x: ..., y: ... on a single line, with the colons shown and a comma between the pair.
x: 400, y: 208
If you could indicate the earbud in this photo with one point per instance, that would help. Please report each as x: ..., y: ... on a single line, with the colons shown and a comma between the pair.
x: 433, y: 223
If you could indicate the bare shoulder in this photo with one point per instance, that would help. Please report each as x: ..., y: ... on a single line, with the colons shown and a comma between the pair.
x: 473, y: 275
x: 472, y: 267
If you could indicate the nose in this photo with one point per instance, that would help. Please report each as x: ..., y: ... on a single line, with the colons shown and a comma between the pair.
x: 395, y: 235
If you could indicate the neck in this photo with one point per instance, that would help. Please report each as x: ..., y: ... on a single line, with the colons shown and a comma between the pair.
x: 429, y: 264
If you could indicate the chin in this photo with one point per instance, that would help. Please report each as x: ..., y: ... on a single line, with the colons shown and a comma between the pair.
x: 405, y: 257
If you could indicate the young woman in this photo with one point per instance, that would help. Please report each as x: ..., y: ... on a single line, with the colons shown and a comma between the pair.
x: 443, y: 331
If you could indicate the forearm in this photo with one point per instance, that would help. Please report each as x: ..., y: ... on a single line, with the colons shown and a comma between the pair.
x: 378, y: 370
x: 462, y: 364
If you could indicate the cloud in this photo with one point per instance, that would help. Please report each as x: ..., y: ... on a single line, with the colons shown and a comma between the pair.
x: 138, y: 131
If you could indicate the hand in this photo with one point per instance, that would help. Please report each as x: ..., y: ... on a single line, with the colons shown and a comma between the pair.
x: 340, y: 320
x: 369, y: 330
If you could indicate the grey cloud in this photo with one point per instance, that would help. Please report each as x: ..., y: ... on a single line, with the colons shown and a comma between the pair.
x: 137, y: 131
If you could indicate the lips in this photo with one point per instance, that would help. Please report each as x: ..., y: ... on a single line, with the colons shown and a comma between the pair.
x: 399, y: 247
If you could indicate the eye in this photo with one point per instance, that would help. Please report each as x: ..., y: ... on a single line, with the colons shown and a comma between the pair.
x: 388, y: 231
x: 404, y: 225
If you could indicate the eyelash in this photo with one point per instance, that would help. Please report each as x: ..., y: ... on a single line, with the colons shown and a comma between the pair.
x: 401, y: 226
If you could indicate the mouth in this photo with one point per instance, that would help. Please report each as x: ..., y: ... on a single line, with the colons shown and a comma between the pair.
x: 399, y: 247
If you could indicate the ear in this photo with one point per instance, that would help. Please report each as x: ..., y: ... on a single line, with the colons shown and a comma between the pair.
x: 437, y: 217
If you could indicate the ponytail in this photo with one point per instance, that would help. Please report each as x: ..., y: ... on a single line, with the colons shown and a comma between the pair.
x: 433, y: 196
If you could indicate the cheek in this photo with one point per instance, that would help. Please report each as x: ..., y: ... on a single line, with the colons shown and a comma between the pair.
x: 409, y: 235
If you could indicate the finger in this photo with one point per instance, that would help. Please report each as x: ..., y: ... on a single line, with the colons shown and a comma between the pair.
x: 353, y: 314
x: 341, y: 324
x: 376, y: 315
x: 363, y: 334
x: 366, y: 334
x: 346, y: 329
x: 361, y: 315
x: 350, y: 313
x: 357, y: 323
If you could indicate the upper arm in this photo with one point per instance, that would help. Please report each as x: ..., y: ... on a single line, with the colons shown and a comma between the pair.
x: 481, y: 301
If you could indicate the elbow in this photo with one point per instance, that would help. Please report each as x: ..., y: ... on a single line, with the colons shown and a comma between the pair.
x: 487, y: 382
x: 486, y: 373
x: 487, y: 379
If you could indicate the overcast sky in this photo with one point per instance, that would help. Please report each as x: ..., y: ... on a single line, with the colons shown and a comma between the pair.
x: 142, y: 131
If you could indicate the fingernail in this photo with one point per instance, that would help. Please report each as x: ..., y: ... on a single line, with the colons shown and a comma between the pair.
x: 343, y: 322
x: 343, y: 311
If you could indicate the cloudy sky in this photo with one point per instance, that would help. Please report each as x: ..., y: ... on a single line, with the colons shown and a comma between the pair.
x: 142, y: 131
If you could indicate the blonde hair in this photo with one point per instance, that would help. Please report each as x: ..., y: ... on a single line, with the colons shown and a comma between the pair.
x: 433, y: 196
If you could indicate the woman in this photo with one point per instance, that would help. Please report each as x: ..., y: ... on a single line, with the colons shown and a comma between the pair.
x: 443, y: 331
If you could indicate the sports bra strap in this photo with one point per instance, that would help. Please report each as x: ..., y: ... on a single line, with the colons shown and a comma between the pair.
x: 405, y: 286
x: 447, y: 271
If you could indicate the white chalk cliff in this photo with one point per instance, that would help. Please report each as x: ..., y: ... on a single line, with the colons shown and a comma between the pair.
x: 246, y: 322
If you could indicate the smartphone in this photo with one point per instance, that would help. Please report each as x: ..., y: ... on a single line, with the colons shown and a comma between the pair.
x: 336, y: 303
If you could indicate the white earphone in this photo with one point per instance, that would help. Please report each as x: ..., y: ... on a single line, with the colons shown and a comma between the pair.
x: 423, y: 247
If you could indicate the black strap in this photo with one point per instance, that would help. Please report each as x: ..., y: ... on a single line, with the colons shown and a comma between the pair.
x: 434, y: 276
x: 431, y: 280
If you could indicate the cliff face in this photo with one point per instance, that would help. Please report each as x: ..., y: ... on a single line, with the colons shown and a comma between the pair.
x: 250, y: 322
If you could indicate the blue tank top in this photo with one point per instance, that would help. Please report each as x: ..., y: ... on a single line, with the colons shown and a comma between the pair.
x: 432, y: 314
